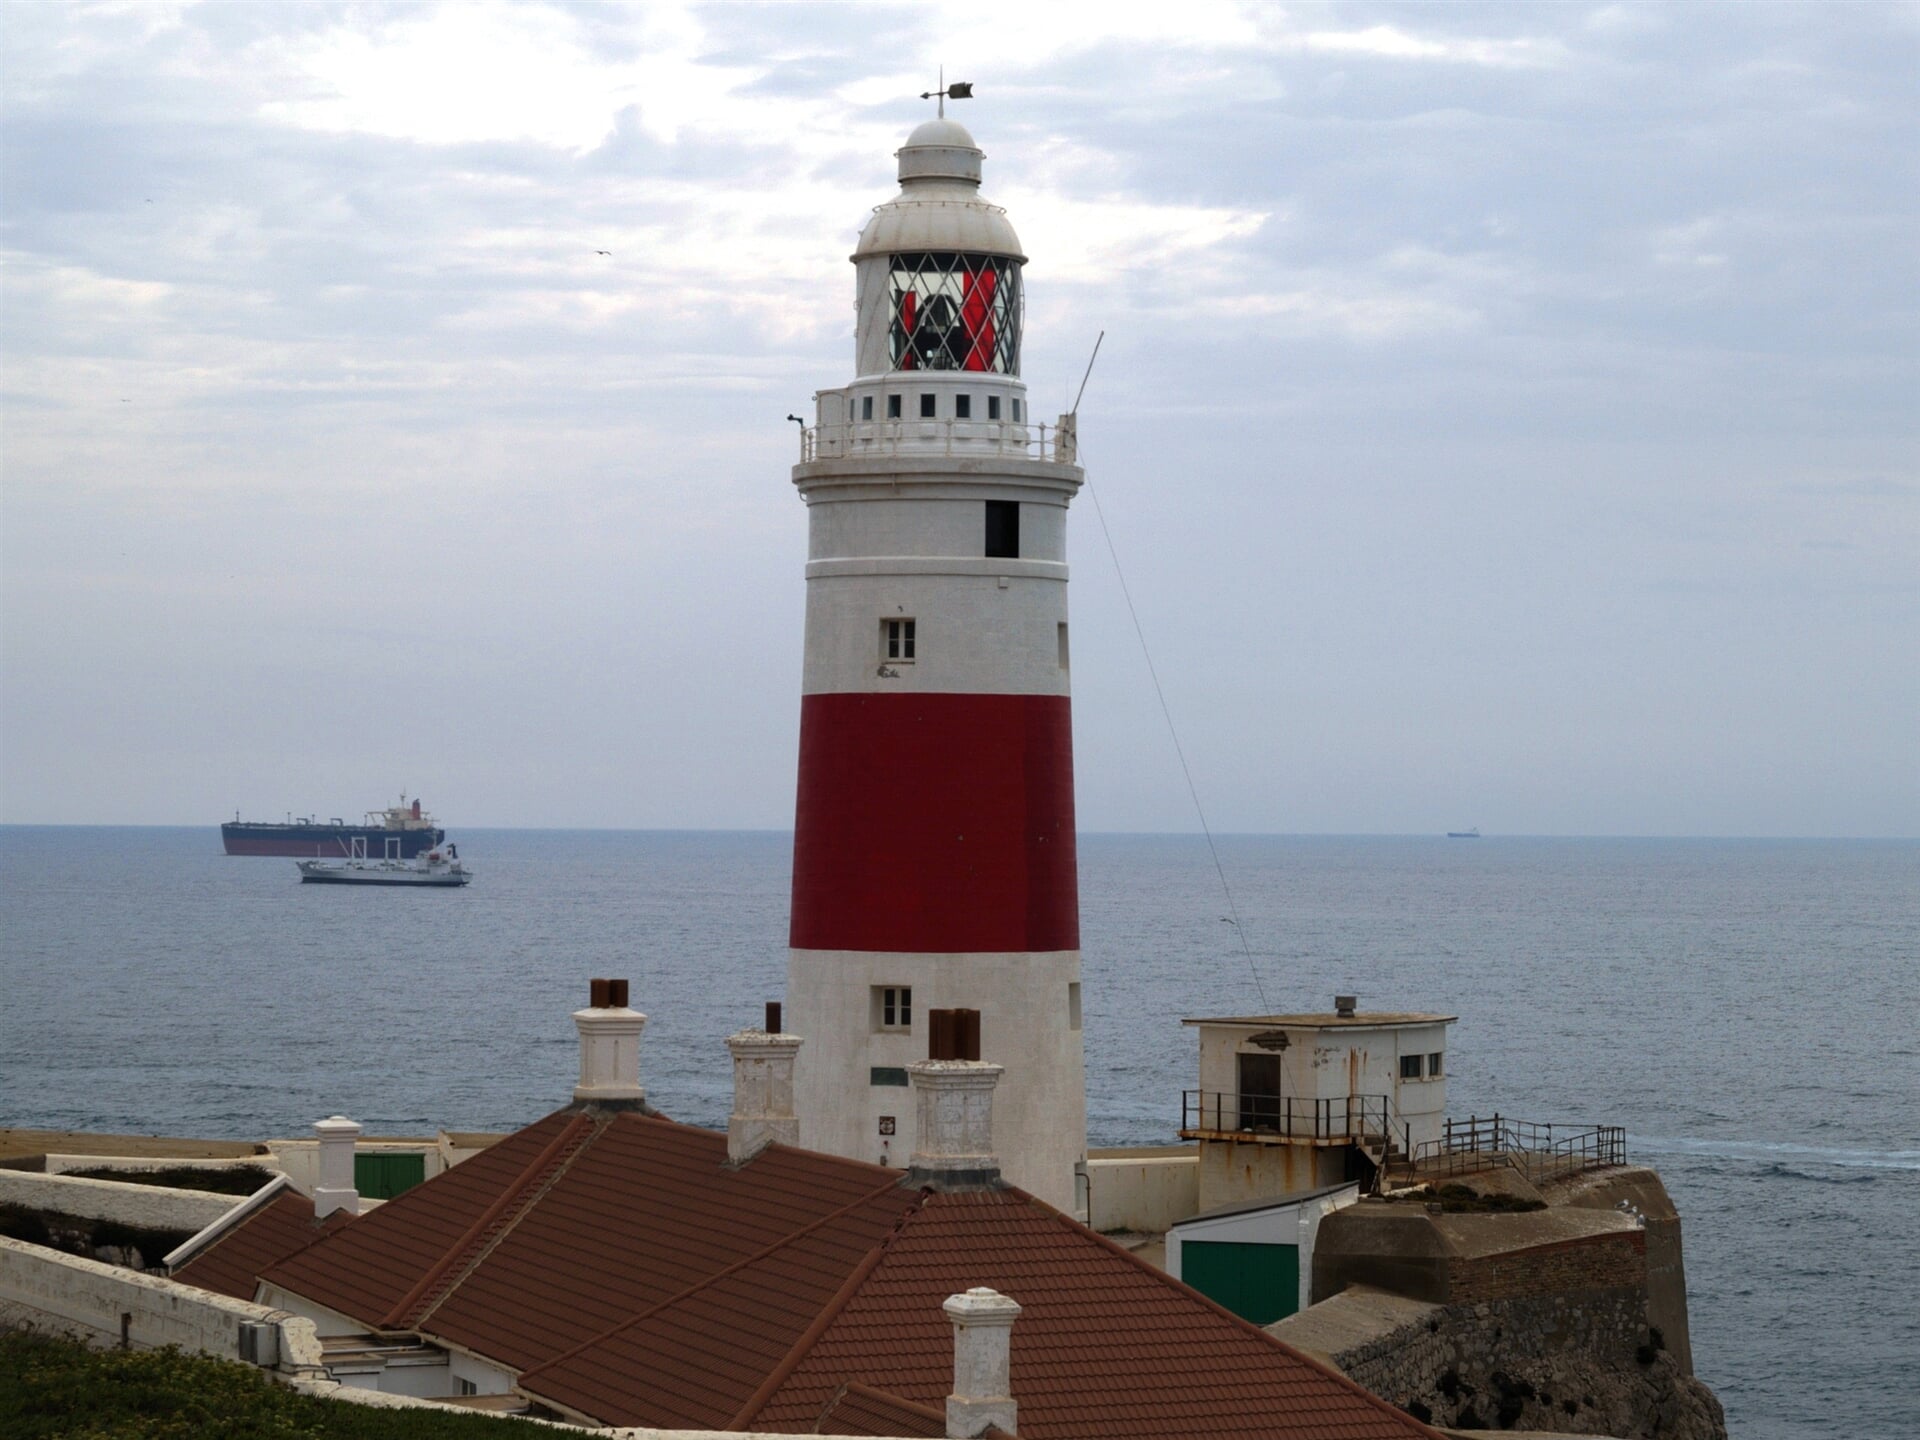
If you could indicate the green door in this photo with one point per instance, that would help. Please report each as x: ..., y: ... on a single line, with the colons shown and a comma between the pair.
x: 1260, y: 1283
x: 381, y: 1177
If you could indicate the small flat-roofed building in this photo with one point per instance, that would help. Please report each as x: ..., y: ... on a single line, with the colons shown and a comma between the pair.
x: 1290, y: 1103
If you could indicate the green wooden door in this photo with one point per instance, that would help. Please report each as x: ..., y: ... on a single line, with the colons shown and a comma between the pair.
x: 381, y: 1177
x: 1260, y: 1283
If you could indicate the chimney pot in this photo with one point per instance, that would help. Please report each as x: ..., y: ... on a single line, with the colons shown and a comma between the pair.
x: 335, y: 1188
x: 763, y: 1112
x: 609, y: 1048
x: 953, y: 1034
x: 772, y: 1026
x: 954, y: 1104
x: 1344, y: 1004
x: 982, y: 1362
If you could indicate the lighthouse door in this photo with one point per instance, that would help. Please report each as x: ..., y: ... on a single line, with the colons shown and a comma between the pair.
x: 1259, y: 1092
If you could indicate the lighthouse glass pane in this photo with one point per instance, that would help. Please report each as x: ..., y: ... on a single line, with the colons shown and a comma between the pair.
x: 956, y: 311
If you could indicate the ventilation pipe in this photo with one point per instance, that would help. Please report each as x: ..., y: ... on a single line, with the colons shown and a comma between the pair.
x: 982, y: 1362
x: 609, y: 1048
x: 335, y: 1188
x: 1343, y: 1005
x: 762, y: 1089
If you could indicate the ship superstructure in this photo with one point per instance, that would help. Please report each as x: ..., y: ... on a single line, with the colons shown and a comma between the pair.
x: 399, y: 832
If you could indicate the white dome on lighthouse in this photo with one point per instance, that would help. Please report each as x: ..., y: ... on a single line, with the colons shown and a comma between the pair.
x: 939, y: 206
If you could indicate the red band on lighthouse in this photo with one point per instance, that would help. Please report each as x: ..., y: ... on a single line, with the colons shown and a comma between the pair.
x: 935, y: 824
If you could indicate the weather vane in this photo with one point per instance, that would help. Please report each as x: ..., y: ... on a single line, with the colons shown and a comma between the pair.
x: 959, y: 90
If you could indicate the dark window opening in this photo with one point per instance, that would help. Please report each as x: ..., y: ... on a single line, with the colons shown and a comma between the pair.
x: 1409, y: 1067
x: 866, y: 407
x: 926, y: 407
x: 1003, y: 529
x: 1017, y: 416
x: 893, y: 407
x: 993, y: 407
x: 1259, y: 1092
x: 897, y: 640
x: 963, y: 407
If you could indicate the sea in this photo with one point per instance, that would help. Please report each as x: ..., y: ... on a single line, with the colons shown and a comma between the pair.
x: 1748, y: 1009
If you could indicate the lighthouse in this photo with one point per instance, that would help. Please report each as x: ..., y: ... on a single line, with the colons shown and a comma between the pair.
x: 933, y: 864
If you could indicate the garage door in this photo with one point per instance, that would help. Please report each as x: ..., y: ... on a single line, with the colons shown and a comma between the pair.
x: 1260, y: 1283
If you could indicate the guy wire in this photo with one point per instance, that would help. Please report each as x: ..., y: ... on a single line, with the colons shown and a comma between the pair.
x: 1172, y: 731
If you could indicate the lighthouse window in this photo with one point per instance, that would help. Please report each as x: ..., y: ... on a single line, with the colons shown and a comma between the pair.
x: 1433, y: 1065
x: 993, y: 407
x: 893, y: 407
x: 896, y: 640
x: 963, y: 407
x: 956, y: 311
x: 866, y: 407
x: 1018, y: 417
x: 1003, y: 529
x: 926, y: 407
x: 1409, y: 1067
x: 893, y: 1007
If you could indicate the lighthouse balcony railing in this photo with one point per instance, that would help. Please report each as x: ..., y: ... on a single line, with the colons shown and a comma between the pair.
x: 889, y: 438
x: 1284, y: 1119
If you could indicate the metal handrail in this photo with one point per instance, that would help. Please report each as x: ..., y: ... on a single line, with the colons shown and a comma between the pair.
x: 855, y: 438
x: 1293, y: 1117
x: 1538, y: 1149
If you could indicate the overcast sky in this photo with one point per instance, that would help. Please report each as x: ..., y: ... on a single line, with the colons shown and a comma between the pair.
x: 1507, y: 414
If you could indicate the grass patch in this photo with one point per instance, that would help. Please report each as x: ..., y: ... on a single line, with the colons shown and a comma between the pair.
x: 1461, y: 1200
x: 53, y: 1387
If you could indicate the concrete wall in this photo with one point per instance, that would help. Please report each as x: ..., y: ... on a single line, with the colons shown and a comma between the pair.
x: 148, y: 1207
x: 1148, y: 1193
x: 82, y: 1297
x: 1232, y: 1172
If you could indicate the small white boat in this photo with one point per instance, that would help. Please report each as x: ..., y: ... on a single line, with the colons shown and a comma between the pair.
x: 437, y: 869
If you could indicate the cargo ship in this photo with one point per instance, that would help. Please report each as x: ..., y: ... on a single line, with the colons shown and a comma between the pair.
x: 400, y: 832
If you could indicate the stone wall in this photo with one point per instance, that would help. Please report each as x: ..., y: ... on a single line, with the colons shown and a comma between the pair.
x: 1592, y: 1262
x: 1583, y: 1362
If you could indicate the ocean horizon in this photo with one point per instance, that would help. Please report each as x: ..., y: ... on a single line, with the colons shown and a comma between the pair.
x: 1741, y: 1005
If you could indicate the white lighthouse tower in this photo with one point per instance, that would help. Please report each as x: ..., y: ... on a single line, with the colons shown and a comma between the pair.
x: 934, y: 840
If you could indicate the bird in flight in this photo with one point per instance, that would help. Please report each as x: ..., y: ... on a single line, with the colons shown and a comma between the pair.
x: 607, y: 253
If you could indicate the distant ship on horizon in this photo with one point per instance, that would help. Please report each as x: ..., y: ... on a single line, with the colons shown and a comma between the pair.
x: 1473, y: 834
x: 399, y: 832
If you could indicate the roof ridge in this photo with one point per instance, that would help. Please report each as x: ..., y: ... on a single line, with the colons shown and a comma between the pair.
x: 829, y: 1313
x: 1165, y: 1279
x: 741, y: 1264
x: 495, y: 1221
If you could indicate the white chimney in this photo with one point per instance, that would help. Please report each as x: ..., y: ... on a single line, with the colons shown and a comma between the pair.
x: 762, y: 1090
x: 982, y: 1369
x: 609, y: 1048
x: 335, y: 1189
x: 954, y: 1104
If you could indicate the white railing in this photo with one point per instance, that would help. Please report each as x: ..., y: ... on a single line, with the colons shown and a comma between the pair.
x: 1053, y: 444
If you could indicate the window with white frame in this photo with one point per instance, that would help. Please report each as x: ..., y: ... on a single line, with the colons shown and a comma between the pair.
x: 896, y: 641
x: 1409, y: 1067
x: 893, y: 1007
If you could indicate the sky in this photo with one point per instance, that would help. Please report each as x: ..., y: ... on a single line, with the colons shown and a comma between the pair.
x: 1506, y: 417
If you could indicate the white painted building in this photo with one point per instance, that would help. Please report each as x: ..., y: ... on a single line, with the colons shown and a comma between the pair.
x: 934, y: 863
x: 1256, y: 1257
x: 1288, y: 1103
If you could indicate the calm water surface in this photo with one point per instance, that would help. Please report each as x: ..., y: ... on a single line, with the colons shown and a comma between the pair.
x: 1749, y: 1010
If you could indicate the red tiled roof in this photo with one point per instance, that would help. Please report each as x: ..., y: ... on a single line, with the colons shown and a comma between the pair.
x: 232, y: 1263
x: 1105, y: 1345
x: 857, y: 1409
x: 633, y: 1277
